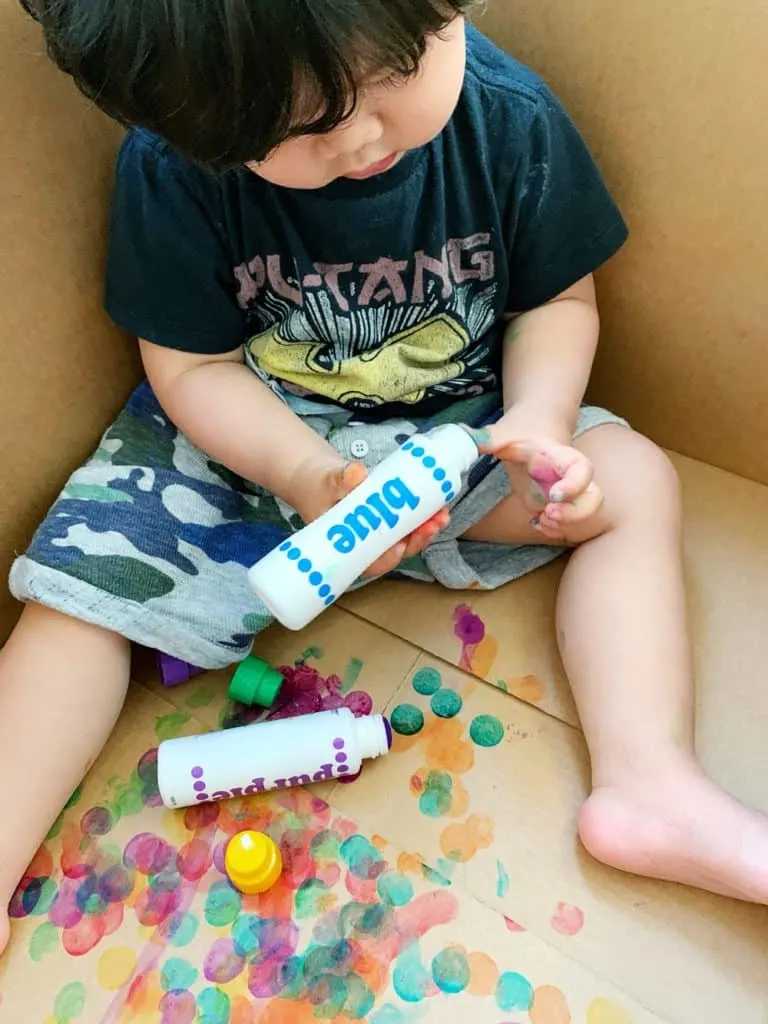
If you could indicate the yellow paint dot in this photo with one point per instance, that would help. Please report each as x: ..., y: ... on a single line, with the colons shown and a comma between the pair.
x: 379, y: 842
x: 606, y: 1011
x: 115, y: 968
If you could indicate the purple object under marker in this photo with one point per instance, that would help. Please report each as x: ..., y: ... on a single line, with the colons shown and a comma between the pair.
x: 174, y: 671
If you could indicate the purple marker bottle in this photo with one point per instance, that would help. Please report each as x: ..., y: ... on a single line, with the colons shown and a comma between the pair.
x: 268, y: 755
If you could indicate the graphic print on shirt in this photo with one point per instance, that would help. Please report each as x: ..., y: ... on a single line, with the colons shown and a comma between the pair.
x: 389, y: 331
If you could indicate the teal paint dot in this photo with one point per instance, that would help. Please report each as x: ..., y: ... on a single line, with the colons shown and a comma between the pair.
x: 359, y: 999
x: 486, y: 731
x: 427, y: 681
x: 177, y: 974
x: 437, y: 798
x: 450, y: 971
x: 212, y: 1007
x: 182, y: 929
x: 406, y: 720
x: 362, y: 857
x: 446, y: 704
x: 70, y: 1002
x: 410, y: 980
x: 45, y: 899
x: 395, y: 889
x: 222, y: 905
x: 513, y: 992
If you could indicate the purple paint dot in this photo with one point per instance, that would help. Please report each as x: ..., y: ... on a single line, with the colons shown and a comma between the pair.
x: 202, y: 796
x: 341, y: 758
x: 197, y: 773
x: 338, y: 744
x: 343, y: 769
x: 199, y: 787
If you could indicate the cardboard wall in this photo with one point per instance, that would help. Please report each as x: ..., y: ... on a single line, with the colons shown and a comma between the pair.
x: 65, y: 370
x: 673, y: 98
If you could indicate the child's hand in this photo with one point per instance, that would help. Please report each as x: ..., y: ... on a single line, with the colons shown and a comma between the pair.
x: 327, y: 485
x: 553, y: 480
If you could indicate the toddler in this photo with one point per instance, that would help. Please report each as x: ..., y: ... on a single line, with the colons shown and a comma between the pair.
x: 335, y: 223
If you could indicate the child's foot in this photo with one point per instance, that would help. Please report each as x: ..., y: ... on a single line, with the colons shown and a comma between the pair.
x: 680, y: 827
x: 5, y: 930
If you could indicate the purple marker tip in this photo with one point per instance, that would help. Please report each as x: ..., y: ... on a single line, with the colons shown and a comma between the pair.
x: 388, y: 729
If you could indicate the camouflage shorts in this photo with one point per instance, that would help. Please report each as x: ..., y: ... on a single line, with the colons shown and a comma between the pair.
x: 152, y: 539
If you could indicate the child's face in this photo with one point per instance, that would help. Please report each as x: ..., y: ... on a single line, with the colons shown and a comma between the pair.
x: 391, y: 117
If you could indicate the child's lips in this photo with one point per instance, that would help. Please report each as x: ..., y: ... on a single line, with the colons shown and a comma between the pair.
x: 373, y: 169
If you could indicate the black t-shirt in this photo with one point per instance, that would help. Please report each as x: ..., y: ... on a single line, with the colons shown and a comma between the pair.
x: 385, y: 295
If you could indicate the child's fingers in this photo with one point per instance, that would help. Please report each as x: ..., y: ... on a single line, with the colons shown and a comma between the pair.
x: 411, y: 545
x: 568, y: 513
x: 573, y: 482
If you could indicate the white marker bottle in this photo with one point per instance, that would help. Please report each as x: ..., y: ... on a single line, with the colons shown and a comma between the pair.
x: 305, y: 574
x: 268, y: 755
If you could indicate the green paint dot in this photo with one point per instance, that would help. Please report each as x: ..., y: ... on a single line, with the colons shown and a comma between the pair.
x: 486, y: 731
x: 222, y: 905
x: 70, y: 1002
x: 169, y: 726
x: 446, y: 704
x: 450, y: 971
x: 395, y: 889
x: 307, y: 897
x: 427, y: 681
x: 325, y: 845
x: 437, y: 798
x: 502, y: 880
x: 213, y: 1006
x: 43, y: 941
x: 407, y: 720
x: 502, y: 686
x: 352, y: 674
x: 513, y: 992
x: 177, y: 974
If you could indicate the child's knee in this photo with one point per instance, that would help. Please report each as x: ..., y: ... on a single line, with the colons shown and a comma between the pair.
x: 642, y: 486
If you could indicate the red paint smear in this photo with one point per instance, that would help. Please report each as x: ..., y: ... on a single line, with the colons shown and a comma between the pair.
x: 470, y: 631
x: 567, y: 919
x: 194, y: 860
x: 84, y: 937
x: 513, y: 926
x: 427, y: 911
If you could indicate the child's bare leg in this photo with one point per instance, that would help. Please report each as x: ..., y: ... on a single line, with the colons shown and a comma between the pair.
x: 62, y: 685
x: 622, y: 625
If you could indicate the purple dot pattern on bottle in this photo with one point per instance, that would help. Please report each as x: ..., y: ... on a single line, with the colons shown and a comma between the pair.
x: 430, y: 462
x: 199, y: 785
x: 305, y: 567
x: 341, y: 757
x: 338, y: 744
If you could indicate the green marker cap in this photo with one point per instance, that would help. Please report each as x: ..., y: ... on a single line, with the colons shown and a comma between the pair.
x: 255, y: 682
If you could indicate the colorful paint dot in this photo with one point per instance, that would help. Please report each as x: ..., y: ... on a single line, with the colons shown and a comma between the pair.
x: 362, y: 857
x: 410, y: 980
x: 285, y: 545
x: 446, y: 704
x: 439, y: 474
x: 44, y: 940
x: 502, y: 880
x: 222, y: 905
x: 388, y: 1014
x: 437, y: 797
x: 549, y: 1006
x: 315, y: 578
x: 223, y: 963
x: 324, y: 591
x: 429, y: 461
x: 406, y: 720
x: 178, y: 1008
x: 96, y: 822
x: 294, y: 554
x: 213, y: 1006
x: 427, y: 681
x: 178, y: 973
x: 486, y: 731
x: 395, y: 889
x: 182, y: 928
x: 418, y: 452
x: 305, y: 565
x: 606, y: 1011
x: 70, y: 1002
x: 450, y: 971
x: 116, y: 967
x: 568, y: 919
x: 513, y: 992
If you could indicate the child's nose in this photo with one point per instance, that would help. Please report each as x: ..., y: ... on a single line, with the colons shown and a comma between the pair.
x: 355, y: 135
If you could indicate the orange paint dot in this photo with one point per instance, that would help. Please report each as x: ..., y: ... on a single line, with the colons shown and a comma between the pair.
x: 484, y: 656
x: 461, y: 842
x: 409, y: 863
x: 287, y: 1011
x: 529, y: 688
x: 459, y: 800
x: 41, y: 865
x: 379, y: 842
x: 447, y: 749
x: 549, y: 1007
x: 484, y: 974
x: 567, y: 919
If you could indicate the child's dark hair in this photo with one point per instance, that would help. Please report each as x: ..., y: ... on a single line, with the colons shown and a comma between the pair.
x: 226, y: 81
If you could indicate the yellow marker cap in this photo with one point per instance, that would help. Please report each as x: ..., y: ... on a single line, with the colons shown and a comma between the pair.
x: 253, y: 862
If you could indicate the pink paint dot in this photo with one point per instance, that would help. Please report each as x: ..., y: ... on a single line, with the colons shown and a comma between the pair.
x: 178, y: 1008
x: 469, y: 628
x: 567, y: 919
x: 359, y: 703
x: 513, y: 926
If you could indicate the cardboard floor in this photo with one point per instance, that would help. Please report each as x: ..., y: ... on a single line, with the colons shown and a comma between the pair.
x: 446, y: 883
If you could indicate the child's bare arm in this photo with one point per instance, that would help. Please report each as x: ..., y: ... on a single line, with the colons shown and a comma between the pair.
x: 223, y: 408
x: 548, y: 358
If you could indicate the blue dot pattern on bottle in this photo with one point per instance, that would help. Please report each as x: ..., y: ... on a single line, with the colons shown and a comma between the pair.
x: 305, y: 566
x: 429, y: 462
